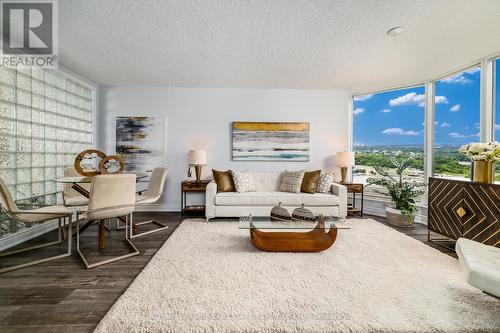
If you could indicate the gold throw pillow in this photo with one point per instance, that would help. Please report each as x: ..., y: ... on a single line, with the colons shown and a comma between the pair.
x: 309, y: 182
x: 224, y: 180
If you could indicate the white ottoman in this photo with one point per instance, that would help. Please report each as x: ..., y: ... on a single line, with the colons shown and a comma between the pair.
x: 481, y: 265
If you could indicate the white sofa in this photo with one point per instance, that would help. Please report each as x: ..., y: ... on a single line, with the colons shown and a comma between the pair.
x: 268, y: 195
x: 480, y: 264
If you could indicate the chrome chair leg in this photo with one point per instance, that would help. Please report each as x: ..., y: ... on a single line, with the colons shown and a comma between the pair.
x: 132, y: 235
x: 63, y: 228
x: 133, y: 250
x: 36, y: 262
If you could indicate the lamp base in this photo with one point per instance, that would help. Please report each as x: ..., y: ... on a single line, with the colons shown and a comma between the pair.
x: 343, y: 173
x: 197, y: 169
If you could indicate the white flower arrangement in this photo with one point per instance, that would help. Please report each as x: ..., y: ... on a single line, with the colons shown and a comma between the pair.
x: 482, y: 151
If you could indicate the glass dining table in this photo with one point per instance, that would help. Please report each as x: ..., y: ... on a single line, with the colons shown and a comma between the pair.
x: 76, y: 181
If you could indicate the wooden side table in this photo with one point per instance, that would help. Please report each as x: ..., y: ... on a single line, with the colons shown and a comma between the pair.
x: 192, y: 186
x: 355, y: 188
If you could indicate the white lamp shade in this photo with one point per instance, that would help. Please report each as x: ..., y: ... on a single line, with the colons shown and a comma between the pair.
x: 197, y: 157
x: 345, y: 159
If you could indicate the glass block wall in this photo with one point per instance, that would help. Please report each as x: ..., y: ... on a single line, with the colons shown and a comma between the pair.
x: 45, y: 121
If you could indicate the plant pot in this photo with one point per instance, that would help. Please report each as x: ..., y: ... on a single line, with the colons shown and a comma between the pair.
x: 483, y: 172
x: 396, y: 218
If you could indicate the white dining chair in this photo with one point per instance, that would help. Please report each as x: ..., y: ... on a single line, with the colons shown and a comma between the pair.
x: 111, y: 196
x: 31, y: 217
x: 153, y: 193
x: 70, y: 196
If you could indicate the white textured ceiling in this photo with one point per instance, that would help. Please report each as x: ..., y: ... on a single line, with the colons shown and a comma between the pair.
x: 273, y: 44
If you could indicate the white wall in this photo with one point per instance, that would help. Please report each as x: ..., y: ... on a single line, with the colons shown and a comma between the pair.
x: 201, y: 118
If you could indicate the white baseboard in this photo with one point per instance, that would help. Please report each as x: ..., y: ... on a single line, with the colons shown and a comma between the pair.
x: 26, y: 234
x: 376, y: 206
x: 158, y: 208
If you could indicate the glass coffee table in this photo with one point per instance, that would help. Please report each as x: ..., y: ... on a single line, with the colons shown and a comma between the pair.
x: 292, y: 236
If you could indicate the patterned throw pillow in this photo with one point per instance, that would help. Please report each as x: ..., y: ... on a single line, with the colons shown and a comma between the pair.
x: 325, y: 182
x: 291, y: 181
x: 244, y: 181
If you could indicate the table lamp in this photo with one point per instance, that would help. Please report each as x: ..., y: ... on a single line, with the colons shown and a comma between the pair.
x: 197, y: 158
x: 344, y: 160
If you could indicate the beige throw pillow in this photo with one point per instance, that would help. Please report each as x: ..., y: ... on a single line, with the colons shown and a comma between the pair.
x: 244, y: 181
x: 291, y: 181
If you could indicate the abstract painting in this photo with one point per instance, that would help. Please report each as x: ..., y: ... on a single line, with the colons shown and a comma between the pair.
x: 270, y: 141
x: 140, y: 142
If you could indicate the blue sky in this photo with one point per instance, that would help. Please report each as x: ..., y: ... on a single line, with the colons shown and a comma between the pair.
x: 396, y: 117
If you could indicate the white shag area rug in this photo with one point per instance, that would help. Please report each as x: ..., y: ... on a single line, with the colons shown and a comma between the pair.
x: 209, y: 278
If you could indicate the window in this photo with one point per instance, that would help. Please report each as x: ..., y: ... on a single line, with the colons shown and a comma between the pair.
x: 45, y: 120
x: 496, y: 94
x: 457, y: 116
x: 389, y: 124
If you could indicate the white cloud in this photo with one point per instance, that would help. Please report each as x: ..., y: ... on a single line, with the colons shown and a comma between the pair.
x: 399, y: 131
x: 415, y: 99
x: 385, y: 110
x: 456, y: 135
x: 444, y: 124
x: 358, y: 111
x: 476, y: 135
x: 497, y: 127
x: 363, y: 97
x: 408, y: 99
x: 455, y: 108
x: 460, y: 78
x: 441, y: 100
x: 472, y: 70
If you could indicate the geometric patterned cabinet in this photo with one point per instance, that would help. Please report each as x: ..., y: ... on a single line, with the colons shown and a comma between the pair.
x: 464, y: 209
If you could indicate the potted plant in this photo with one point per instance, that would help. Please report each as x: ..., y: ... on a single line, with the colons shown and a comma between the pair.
x: 482, y: 155
x: 402, y: 193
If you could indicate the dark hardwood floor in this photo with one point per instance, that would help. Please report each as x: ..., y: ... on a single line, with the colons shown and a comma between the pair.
x: 63, y: 296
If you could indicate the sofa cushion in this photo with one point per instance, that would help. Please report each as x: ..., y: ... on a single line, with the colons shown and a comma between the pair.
x: 273, y: 198
x: 267, y: 181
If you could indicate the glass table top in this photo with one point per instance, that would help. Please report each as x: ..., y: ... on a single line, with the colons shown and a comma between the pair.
x: 84, y: 179
x: 265, y: 222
